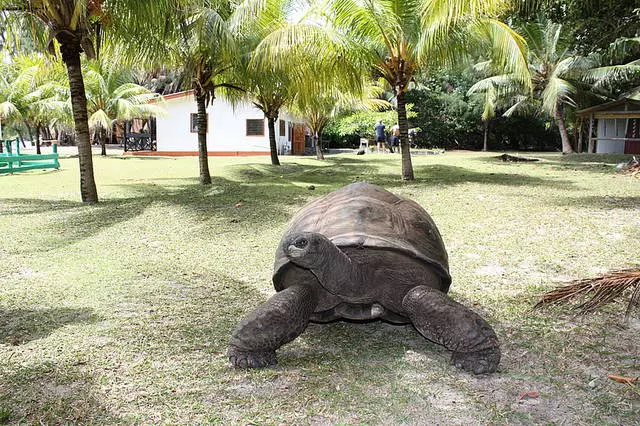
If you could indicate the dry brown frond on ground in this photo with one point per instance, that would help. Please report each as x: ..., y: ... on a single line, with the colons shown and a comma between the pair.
x: 602, y: 290
x: 633, y: 167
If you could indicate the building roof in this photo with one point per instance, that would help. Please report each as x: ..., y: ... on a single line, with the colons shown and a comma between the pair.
x: 178, y: 95
x: 612, y: 109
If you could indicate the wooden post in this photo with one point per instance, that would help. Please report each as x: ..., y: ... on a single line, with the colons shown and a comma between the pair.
x: 591, y: 147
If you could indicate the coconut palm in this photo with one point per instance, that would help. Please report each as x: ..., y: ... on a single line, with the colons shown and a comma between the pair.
x: 206, y: 49
x: 617, y: 69
x: 269, y: 91
x: 74, y: 24
x: 8, y: 110
x: 398, y: 38
x: 40, y: 89
x: 292, y: 57
x: 32, y: 95
x: 112, y: 96
x: 321, y: 108
x: 557, y: 76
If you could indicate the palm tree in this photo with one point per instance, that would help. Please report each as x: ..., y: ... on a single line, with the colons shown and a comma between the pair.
x: 269, y: 90
x: 38, y: 91
x: 8, y: 110
x: 398, y: 38
x: 291, y: 59
x: 112, y: 96
x: 318, y: 110
x: 207, y: 49
x: 74, y: 25
x: 553, y: 67
x: 555, y: 76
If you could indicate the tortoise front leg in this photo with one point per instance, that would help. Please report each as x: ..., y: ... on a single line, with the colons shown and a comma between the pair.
x: 442, y: 320
x: 279, y: 320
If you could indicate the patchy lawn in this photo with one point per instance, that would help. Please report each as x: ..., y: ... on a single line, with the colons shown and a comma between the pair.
x: 120, y: 312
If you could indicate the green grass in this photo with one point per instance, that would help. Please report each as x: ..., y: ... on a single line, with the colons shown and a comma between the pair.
x: 120, y: 312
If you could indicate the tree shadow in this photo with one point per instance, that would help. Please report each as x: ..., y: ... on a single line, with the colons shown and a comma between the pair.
x: 607, y: 202
x: 81, y: 221
x: 594, y: 163
x: 256, y: 194
x: 47, y: 393
x: 357, y: 345
x: 20, y: 326
x: 439, y: 174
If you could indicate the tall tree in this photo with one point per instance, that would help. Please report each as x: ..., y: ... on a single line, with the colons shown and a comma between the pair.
x: 206, y: 50
x: 400, y: 37
x: 8, y: 109
x: 292, y: 58
x: 554, y: 71
x: 269, y: 91
x: 74, y: 24
x: 112, y: 96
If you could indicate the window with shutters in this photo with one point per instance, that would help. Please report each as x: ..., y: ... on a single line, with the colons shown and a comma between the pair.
x: 283, y: 127
x: 255, y: 127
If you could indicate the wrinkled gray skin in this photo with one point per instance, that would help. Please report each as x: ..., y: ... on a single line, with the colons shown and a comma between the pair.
x: 362, y: 253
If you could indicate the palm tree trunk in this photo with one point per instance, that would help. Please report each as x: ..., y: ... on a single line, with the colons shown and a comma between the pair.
x: 318, y: 144
x: 38, y: 139
x: 486, y: 135
x: 407, y: 166
x: 580, y: 133
x: 103, y: 143
x: 70, y: 49
x: 564, y: 135
x: 203, y: 155
x: 271, y: 124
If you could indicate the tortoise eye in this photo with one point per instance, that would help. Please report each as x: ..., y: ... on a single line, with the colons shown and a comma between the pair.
x: 301, y: 243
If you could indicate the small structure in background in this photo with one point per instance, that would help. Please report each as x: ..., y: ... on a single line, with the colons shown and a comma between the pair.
x: 614, y: 127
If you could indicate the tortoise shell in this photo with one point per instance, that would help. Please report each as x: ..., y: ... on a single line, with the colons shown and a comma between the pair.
x: 367, y: 216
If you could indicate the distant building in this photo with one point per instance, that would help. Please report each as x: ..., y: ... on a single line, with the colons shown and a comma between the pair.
x: 614, y: 127
x: 231, y: 131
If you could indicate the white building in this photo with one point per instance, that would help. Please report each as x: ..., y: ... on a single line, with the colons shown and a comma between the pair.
x: 231, y: 131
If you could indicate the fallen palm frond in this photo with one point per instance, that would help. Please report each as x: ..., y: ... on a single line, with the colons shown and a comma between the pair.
x: 632, y: 167
x: 600, y: 290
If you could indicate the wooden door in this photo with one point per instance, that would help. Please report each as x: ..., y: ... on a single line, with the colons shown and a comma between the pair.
x: 632, y: 144
x: 297, y: 147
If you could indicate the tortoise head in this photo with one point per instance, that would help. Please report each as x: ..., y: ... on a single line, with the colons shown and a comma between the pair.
x: 308, y: 249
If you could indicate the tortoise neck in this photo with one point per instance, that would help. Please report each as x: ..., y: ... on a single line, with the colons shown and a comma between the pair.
x: 338, y: 273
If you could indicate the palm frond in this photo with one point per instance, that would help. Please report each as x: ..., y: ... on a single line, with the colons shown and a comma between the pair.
x: 599, y: 291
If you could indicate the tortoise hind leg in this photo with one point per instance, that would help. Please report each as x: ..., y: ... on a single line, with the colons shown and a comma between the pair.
x: 279, y: 320
x: 442, y: 320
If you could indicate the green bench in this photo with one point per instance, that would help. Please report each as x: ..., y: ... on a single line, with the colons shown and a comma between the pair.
x: 12, y: 161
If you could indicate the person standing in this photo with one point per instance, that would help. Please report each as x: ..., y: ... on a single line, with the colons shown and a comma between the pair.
x: 380, y: 136
x: 395, y: 137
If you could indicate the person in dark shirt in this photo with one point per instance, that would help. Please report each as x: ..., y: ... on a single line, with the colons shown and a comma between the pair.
x: 380, y: 136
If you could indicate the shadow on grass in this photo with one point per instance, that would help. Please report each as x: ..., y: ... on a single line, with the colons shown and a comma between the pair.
x: 451, y: 175
x: 605, y: 203
x: 595, y: 163
x: 259, y: 195
x: 19, y: 326
x: 46, y: 393
x: 364, y: 348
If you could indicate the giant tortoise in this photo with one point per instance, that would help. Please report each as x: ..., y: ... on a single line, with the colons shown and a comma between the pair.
x: 362, y: 253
